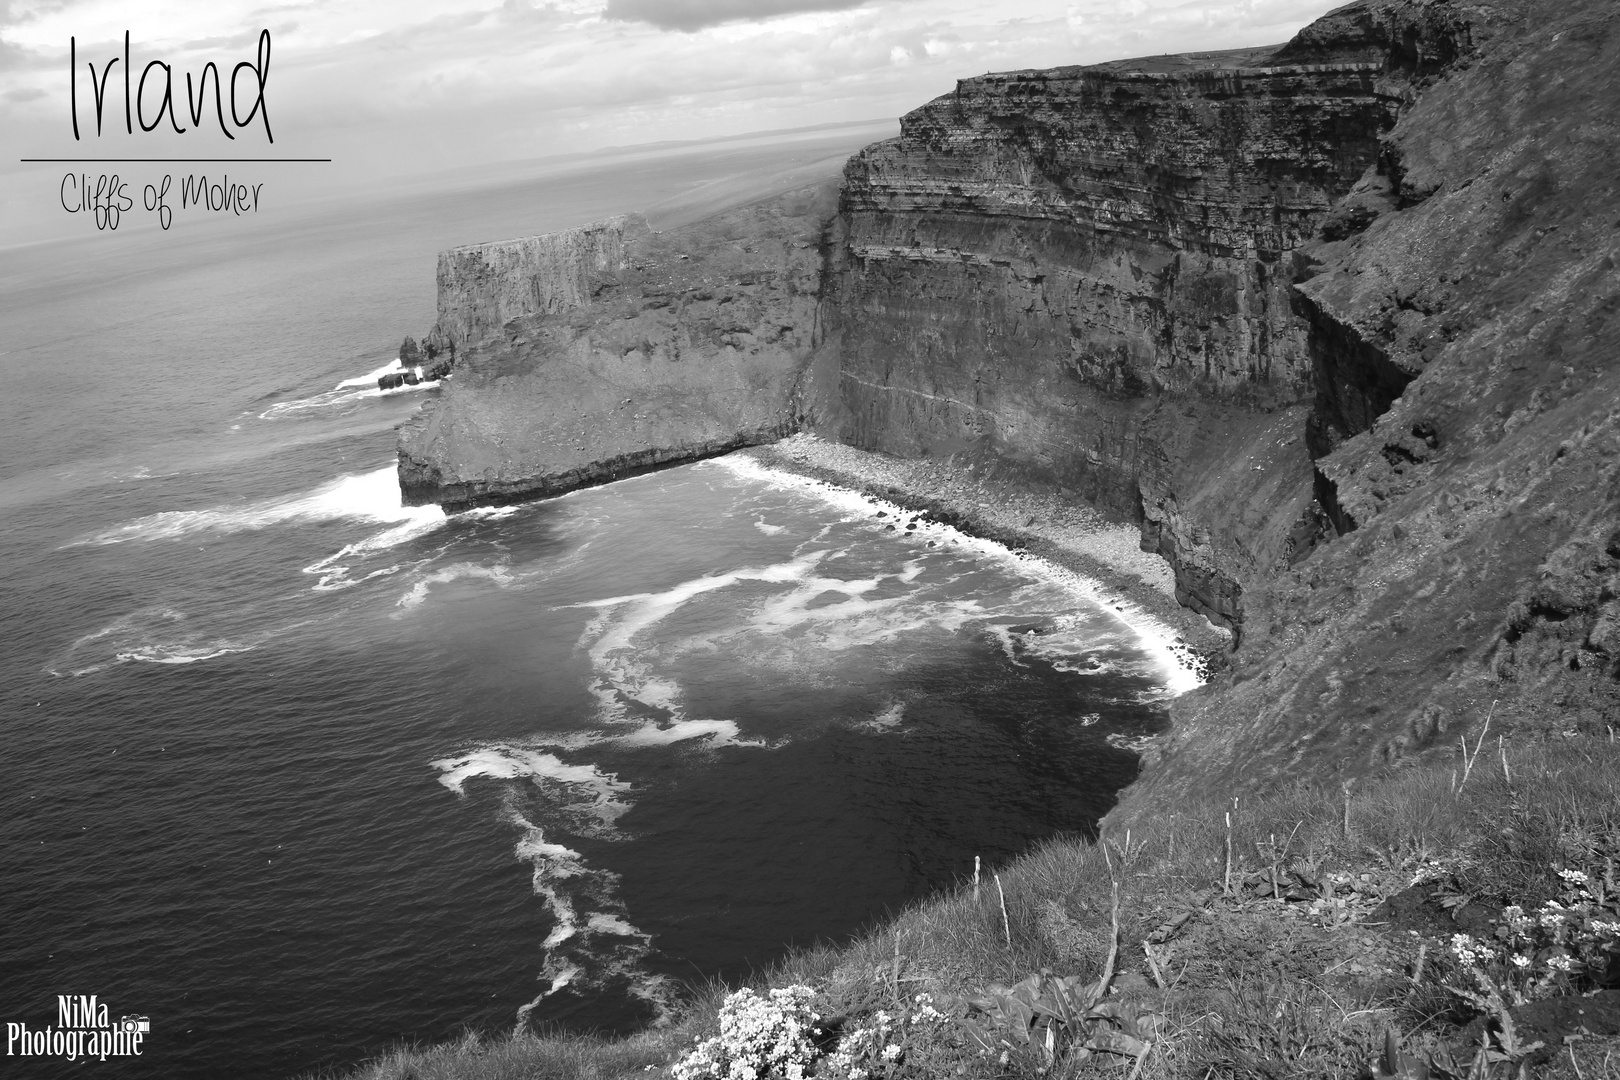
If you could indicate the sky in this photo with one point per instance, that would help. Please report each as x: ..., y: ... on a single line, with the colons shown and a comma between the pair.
x: 394, y: 87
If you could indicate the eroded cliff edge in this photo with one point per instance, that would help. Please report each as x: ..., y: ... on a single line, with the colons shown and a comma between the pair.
x: 1462, y: 306
x: 1334, y: 321
x: 600, y: 352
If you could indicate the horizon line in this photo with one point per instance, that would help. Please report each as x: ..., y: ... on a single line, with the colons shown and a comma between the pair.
x: 163, y: 161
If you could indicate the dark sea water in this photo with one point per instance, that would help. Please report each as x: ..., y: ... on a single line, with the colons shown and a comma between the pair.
x: 299, y: 774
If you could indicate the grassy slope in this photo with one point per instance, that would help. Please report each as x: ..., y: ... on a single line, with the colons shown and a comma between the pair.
x: 1251, y: 985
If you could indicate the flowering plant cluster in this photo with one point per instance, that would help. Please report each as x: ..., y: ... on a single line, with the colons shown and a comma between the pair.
x: 1533, y: 955
x: 759, y: 1037
x: 878, y: 1045
x: 773, y: 1038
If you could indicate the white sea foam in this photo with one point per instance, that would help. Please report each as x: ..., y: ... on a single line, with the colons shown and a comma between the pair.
x: 767, y: 529
x: 592, y: 942
x: 623, y: 668
x: 832, y: 613
x: 793, y: 628
x: 153, y: 635
x: 887, y: 720
x: 852, y: 619
x: 492, y: 513
x: 500, y: 574
x: 583, y: 790
x: 603, y: 923
x: 1136, y: 744
x: 652, y: 734
x: 393, y: 367
x: 181, y: 654
x: 1083, y: 643
x: 358, y: 388
x: 1172, y: 665
x: 368, y: 497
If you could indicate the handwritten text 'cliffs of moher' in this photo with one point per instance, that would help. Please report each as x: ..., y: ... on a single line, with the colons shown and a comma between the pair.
x: 107, y: 197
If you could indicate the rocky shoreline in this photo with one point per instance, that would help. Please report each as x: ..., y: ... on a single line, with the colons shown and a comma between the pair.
x: 1048, y: 525
x: 1333, y: 322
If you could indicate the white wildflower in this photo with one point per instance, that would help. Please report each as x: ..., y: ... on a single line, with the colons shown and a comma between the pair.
x: 758, y: 1037
x: 1467, y: 950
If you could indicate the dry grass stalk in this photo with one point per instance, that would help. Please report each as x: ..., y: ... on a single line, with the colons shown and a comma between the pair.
x: 894, y: 977
x: 1113, y: 952
x: 1276, y: 889
x: 1006, y: 927
x: 1153, y: 965
x: 1226, y: 880
x: 1468, y: 761
x: 1141, y: 1059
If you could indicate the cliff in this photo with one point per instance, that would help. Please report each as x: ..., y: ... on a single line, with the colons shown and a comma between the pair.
x: 1335, y: 321
x: 482, y: 287
x: 596, y: 353
x: 1461, y: 306
x: 1084, y: 275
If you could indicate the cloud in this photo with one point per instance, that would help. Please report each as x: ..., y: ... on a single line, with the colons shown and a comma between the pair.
x: 403, y: 85
x: 691, y: 15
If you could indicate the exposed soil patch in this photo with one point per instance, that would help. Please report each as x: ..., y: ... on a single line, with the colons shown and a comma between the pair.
x: 1417, y: 910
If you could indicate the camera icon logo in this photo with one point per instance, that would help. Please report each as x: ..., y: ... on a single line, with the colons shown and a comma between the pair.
x: 135, y: 1025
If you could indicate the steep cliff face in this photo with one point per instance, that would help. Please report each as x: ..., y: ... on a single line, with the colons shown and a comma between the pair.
x: 630, y: 350
x: 1084, y: 274
x: 482, y: 287
x: 1336, y: 319
x: 1467, y: 334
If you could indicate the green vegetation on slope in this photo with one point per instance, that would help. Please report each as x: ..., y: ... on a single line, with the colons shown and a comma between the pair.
x: 1309, y: 933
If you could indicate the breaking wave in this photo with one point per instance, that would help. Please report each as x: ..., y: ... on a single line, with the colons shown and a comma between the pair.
x: 1174, y: 666
x: 349, y: 390
x: 367, y: 497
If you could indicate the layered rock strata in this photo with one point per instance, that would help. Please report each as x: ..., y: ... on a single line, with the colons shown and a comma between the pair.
x: 482, y: 287
x: 1085, y: 274
x: 1463, y: 306
x: 601, y: 352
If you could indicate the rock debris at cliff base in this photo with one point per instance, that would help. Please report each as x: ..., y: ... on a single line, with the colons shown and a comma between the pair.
x: 1047, y: 524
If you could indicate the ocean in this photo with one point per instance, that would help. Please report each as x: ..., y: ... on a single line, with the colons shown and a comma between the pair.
x: 298, y: 774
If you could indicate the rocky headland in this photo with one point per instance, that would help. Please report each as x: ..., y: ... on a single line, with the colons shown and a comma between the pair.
x: 597, y: 353
x: 1332, y: 324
